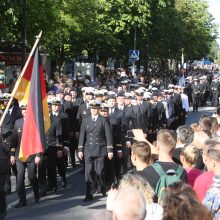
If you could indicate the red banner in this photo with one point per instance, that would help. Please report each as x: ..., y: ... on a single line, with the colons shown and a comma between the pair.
x: 10, y: 59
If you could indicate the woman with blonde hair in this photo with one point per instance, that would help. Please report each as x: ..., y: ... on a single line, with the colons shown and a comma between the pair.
x: 138, y: 182
x: 154, y: 210
x: 214, y: 129
x: 188, y: 157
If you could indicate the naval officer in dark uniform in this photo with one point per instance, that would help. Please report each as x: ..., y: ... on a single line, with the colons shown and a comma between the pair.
x: 195, y: 94
x: 12, y: 115
x: 31, y: 163
x: 84, y: 108
x: 4, y: 169
x: 95, y: 142
x: 54, y: 151
x: 215, y: 88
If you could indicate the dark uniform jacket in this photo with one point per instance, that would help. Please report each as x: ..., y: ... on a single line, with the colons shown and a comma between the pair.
x: 95, y: 137
x: 67, y: 108
x: 83, y: 112
x: 144, y: 115
x: 54, y: 135
x: 195, y: 89
x: 77, y: 101
x: 116, y: 127
x: 66, y: 127
x: 9, y: 121
x: 4, y: 156
x: 131, y: 117
x: 204, y: 87
x: 162, y: 114
x: 177, y: 101
x: 154, y: 116
x: 215, y: 86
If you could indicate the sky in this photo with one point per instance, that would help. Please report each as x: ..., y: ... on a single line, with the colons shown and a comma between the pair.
x: 214, y: 9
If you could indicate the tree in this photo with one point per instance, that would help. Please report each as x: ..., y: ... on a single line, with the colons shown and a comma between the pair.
x: 105, y: 28
x: 198, y: 30
x: 214, y: 52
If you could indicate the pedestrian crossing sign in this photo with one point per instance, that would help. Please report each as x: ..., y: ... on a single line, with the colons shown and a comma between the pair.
x: 134, y: 55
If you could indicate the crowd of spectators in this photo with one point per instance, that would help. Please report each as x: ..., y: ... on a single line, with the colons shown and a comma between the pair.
x: 196, y: 148
x: 175, y: 177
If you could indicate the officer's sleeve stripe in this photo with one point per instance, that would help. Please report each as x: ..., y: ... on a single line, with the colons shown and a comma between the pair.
x: 109, y: 147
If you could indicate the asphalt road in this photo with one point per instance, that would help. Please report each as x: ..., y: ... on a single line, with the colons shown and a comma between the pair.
x: 67, y: 203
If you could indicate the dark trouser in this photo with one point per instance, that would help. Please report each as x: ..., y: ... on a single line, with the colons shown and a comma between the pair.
x: 42, y: 177
x: 8, y: 177
x: 52, y: 162
x: 94, y: 171
x: 203, y: 99
x: 117, y: 167
x: 182, y: 117
x: 109, y: 172
x: 61, y: 167
x: 51, y: 153
x: 196, y: 99
x: 3, y: 205
x: 32, y: 176
x: 126, y: 159
x: 73, y: 146
x: 4, y: 169
x: 215, y: 98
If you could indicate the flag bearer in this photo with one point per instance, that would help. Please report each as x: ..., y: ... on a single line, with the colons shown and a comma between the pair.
x: 31, y: 163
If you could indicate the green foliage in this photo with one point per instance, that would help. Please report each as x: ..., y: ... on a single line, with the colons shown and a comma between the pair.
x: 106, y: 27
x: 214, y: 52
x: 198, y: 32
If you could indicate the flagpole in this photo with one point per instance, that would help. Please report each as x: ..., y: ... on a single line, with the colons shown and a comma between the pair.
x: 20, y: 77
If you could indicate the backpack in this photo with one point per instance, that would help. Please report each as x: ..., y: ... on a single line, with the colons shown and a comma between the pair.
x: 166, y: 179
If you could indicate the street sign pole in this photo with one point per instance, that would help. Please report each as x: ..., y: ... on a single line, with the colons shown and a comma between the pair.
x: 182, y: 58
x: 133, y: 64
x: 135, y: 37
x: 134, y: 55
x: 135, y: 40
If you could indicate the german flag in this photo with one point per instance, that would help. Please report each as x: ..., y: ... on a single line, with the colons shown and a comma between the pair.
x: 31, y: 91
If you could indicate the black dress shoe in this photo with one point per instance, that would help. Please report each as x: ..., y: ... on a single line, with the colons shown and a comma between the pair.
x: 52, y: 189
x: 98, y: 191
x: 7, y: 192
x: 42, y: 194
x: 64, y: 183
x: 88, y: 198
x: 20, y: 204
x: 49, y: 188
x: 3, y: 214
x: 37, y: 198
x: 104, y: 193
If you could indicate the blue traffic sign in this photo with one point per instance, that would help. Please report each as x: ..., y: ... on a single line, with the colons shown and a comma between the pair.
x: 134, y: 55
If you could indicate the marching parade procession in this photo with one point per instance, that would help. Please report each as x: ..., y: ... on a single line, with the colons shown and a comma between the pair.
x: 88, y: 132
x: 96, y: 125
